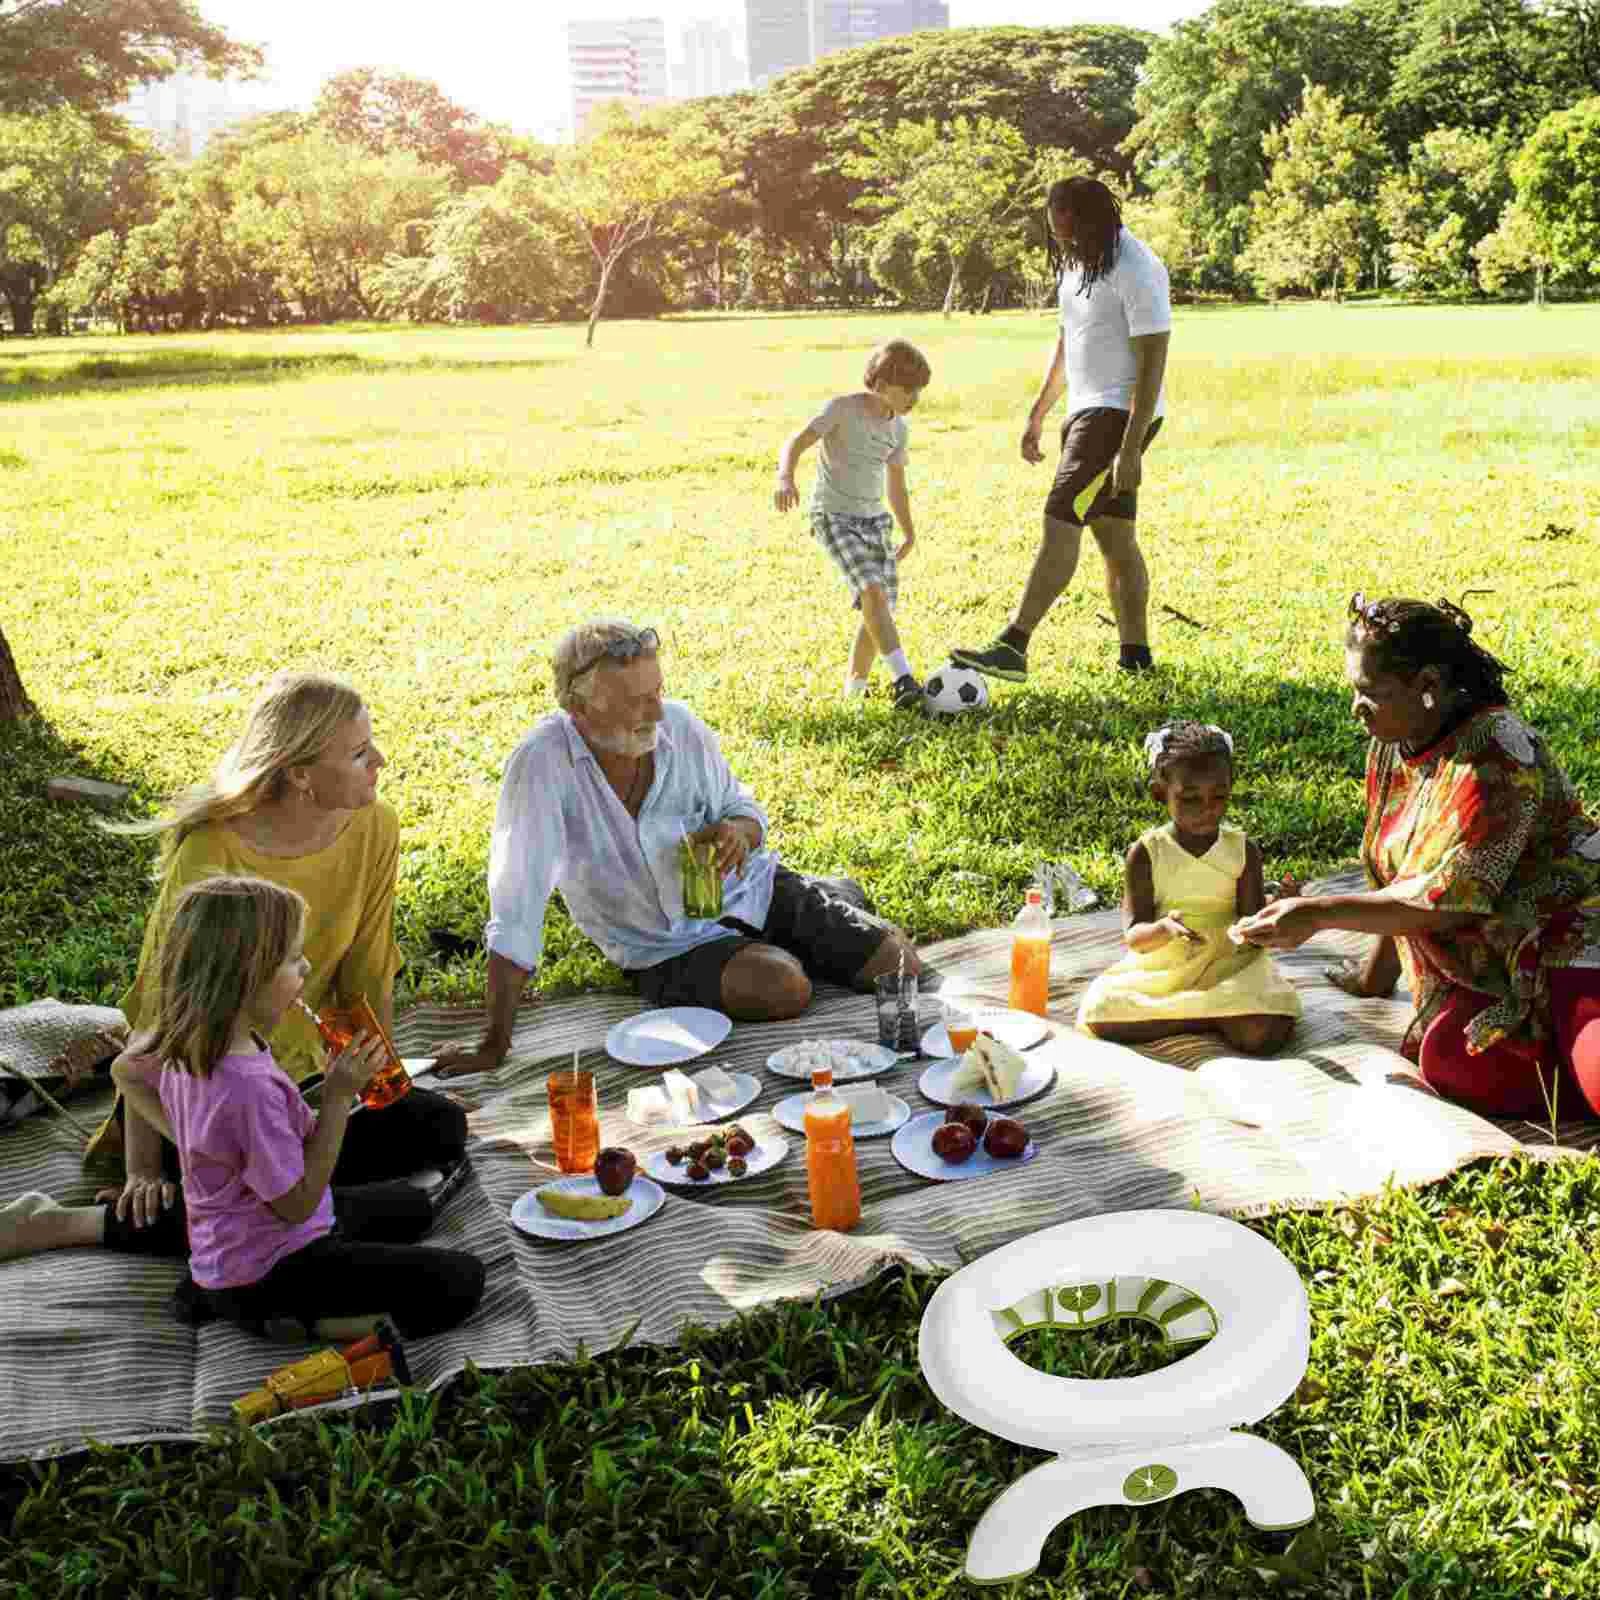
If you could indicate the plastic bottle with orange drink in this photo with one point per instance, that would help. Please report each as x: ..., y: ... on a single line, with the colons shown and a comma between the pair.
x: 831, y: 1157
x: 1030, y: 957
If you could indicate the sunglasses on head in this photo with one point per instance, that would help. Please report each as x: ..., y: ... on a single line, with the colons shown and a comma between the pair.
x: 1370, y: 613
x: 628, y: 648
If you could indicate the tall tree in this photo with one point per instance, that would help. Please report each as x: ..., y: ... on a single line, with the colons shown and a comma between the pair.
x: 626, y: 186
x: 89, y: 53
x: 1448, y: 198
x: 381, y: 112
x: 1557, y: 174
x: 949, y: 189
x: 1312, y: 223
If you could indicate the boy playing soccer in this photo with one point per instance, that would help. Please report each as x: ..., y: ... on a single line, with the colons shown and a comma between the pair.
x: 863, y: 438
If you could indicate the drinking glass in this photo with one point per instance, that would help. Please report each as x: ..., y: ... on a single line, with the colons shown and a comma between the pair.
x: 960, y: 1025
x: 574, y: 1119
x: 702, y: 879
x: 338, y: 1025
x: 896, y: 995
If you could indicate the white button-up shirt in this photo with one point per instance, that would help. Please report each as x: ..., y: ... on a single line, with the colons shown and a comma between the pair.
x: 560, y: 825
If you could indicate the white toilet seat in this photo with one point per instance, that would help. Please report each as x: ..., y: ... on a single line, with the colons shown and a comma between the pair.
x: 1250, y: 1366
x: 1124, y: 1441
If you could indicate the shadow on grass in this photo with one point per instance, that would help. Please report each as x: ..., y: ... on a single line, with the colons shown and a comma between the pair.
x: 68, y: 926
x: 21, y: 381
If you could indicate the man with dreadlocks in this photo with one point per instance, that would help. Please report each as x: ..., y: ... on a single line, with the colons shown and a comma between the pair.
x: 1110, y: 357
x: 1484, y: 871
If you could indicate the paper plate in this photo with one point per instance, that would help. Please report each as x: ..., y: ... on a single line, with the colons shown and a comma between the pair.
x: 664, y: 1038
x: 851, y: 1059
x: 416, y: 1066
x: 768, y: 1153
x: 913, y: 1149
x: 934, y: 1085
x: 528, y: 1216
x: 1019, y: 1029
x: 747, y: 1086
x: 791, y: 1114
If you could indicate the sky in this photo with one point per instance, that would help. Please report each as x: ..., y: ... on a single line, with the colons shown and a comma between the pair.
x: 512, y: 69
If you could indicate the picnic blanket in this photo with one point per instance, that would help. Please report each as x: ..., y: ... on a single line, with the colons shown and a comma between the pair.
x: 89, y: 1348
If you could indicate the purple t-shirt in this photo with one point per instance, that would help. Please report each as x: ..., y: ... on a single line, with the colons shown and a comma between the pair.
x: 241, y: 1137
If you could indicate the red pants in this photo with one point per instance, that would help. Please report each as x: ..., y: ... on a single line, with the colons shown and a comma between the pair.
x: 1513, y: 1078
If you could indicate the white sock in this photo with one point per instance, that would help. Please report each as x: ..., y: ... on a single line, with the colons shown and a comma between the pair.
x: 897, y: 663
x: 854, y: 688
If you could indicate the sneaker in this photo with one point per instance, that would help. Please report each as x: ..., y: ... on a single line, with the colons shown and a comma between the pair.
x: 999, y: 660
x: 908, y: 694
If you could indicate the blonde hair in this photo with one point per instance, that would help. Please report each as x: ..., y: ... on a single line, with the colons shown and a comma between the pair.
x: 586, y: 646
x: 292, y: 722
x: 898, y: 361
x: 227, y: 938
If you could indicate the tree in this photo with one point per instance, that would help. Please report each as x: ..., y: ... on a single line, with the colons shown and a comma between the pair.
x: 14, y: 701
x: 382, y: 112
x: 1516, y: 249
x: 61, y: 182
x: 1311, y: 223
x: 88, y: 54
x: 1557, y: 174
x: 1436, y: 211
x: 625, y: 186
x: 948, y: 189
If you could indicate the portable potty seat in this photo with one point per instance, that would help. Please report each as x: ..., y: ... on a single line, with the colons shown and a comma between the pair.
x: 1124, y: 1441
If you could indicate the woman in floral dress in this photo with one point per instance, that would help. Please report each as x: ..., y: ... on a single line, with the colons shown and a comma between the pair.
x: 1484, y: 873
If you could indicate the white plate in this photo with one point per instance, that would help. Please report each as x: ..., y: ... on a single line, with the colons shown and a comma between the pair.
x: 791, y: 1114
x: 416, y: 1066
x: 934, y: 1085
x: 664, y: 1038
x: 913, y: 1149
x: 1019, y: 1029
x: 529, y: 1217
x: 851, y: 1058
x: 768, y: 1153
x: 746, y: 1085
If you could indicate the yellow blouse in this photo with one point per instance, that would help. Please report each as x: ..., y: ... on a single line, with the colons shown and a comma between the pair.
x: 349, y: 894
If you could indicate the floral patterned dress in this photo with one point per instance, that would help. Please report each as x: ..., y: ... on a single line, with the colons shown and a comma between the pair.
x: 1485, y: 821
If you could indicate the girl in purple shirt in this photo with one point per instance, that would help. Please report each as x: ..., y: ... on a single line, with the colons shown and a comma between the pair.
x: 265, y: 1248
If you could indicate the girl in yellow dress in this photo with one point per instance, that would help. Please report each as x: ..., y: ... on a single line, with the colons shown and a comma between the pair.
x: 1186, y: 883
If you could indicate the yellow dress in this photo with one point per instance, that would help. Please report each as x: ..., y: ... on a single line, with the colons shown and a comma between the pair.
x: 1185, y: 979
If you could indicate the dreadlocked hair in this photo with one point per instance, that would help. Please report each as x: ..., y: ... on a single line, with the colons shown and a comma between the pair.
x: 1407, y: 635
x: 1099, y: 221
x: 1182, y: 743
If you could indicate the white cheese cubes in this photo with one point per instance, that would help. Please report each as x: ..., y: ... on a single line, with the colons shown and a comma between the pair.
x: 867, y: 1102
x: 649, y: 1104
x: 715, y: 1084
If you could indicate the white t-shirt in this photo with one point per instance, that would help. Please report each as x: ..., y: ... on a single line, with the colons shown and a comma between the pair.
x: 1130, y: 301
x: 856, y: 448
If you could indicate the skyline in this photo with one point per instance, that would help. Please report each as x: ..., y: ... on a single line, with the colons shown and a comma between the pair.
x: 513, y: 70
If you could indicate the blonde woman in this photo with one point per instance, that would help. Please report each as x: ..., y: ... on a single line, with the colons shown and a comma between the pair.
x: 293, y: 801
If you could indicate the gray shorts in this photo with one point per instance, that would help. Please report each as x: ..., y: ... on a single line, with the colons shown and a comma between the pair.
x: 861, y: 549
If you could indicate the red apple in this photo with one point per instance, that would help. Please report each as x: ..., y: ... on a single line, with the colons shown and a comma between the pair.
x: 1006, y: 1137
x: 954, y: 1142
x: 614, y: 1169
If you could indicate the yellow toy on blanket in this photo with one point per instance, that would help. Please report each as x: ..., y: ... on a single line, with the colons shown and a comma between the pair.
x: 1188, y: 881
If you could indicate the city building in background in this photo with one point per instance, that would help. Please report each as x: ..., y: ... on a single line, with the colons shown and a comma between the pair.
x: 623, y: 60
x: 711, y: 62
x: 843, y: 24
x: 778, y: 35
x: 183, y: 113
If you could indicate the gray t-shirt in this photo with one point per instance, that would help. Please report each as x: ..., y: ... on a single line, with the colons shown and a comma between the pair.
x: 855, y: 450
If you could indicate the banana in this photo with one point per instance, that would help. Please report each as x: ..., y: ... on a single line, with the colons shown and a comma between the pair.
x: 585, y: 1207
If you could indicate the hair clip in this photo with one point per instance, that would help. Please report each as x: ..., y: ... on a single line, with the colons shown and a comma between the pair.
x: 1222, y: 734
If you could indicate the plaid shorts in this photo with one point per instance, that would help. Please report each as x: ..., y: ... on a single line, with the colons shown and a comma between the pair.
x: 861, y: 549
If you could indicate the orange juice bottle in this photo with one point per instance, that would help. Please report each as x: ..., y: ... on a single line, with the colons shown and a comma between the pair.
x: 1030, y: 957
x: 831, y: 1157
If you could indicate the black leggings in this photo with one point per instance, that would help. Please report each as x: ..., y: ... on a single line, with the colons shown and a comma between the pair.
x: 369, y: 1263
x: 421, y: 1130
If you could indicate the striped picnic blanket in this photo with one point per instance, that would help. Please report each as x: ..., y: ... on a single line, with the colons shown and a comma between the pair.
x: 89, y: 1349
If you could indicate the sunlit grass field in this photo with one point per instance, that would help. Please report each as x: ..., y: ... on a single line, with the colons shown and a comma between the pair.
x: 425, y: 510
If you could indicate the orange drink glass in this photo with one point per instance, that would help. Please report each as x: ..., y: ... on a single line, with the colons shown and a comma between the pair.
x: 961, y: 1026
x: 338, y: 1025
x: 574, y: 1119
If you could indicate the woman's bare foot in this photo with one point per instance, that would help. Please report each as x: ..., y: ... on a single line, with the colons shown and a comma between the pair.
x: 86, y: 1052
x: 34, y: 1222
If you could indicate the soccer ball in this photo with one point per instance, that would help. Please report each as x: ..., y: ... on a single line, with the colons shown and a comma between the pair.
x: 953, y: 690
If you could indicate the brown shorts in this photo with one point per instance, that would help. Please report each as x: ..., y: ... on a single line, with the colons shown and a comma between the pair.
x: 1089, y: 444
x: 832, y: 938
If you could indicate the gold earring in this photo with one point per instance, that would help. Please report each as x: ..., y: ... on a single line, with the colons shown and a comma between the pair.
x: 1427, y: 699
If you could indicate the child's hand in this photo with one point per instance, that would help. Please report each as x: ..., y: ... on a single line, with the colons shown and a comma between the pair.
x: 1176, y: 928
x: 351, y: 1070
x: 785, y: 497
x: 905, y: 549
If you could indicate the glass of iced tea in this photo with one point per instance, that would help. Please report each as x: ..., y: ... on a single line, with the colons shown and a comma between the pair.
x: 961, y: 1026
x: 574, y: 1119
x: 338, y: 1025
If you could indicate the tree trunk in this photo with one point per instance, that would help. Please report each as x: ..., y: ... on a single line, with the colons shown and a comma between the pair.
x: 599, y: 301
x: 950, y: 293
x: 1538, y: 284
x: 21, y: 312
x: 14, y: 700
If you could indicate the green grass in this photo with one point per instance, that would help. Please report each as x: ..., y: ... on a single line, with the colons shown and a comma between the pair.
x: 425, y: 510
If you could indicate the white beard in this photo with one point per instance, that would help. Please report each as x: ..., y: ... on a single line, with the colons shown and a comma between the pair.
x: 626, y: 744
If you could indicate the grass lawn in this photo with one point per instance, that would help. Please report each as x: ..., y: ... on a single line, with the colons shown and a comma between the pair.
x: 425, y: 510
